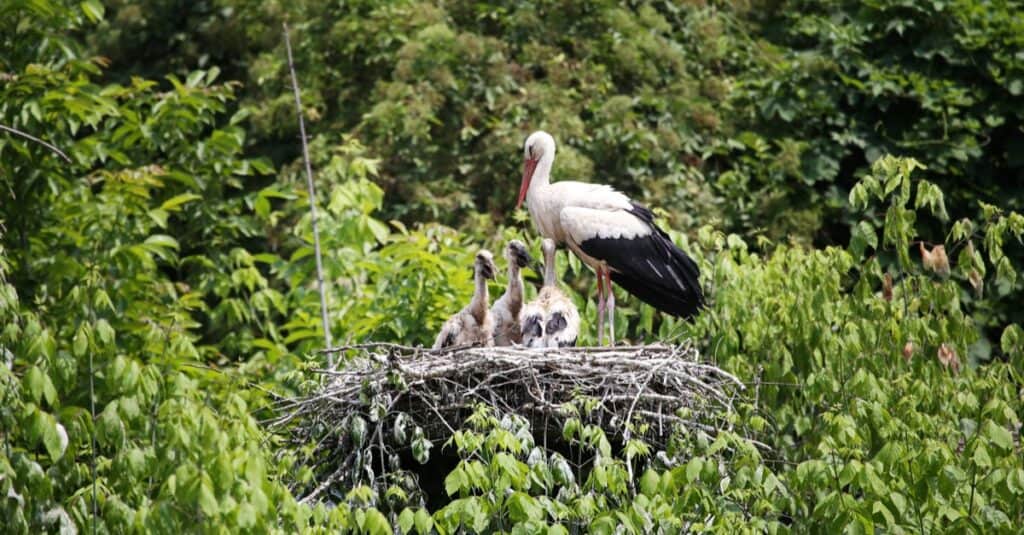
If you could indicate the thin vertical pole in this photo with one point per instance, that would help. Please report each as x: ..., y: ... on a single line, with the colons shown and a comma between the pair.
x: 312, y: 202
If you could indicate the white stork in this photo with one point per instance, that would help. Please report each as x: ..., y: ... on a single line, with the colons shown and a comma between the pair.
x: 505, y: 310
x: 613, y: 235
x: 473, y: 324
x: 550, y: 320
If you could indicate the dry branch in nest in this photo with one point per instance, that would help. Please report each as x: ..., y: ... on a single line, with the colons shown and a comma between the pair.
x: 391, y: 397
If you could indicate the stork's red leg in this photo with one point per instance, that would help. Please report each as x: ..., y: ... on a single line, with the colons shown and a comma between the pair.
x: 600, y: 308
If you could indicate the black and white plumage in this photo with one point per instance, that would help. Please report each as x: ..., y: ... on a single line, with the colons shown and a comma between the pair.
x: 473, y: 324
x: 550, y: 320
x: 505, y: 310
x: 613, y: 235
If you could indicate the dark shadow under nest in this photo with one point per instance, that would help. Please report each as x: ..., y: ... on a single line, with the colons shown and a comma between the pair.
x: 382, y: 419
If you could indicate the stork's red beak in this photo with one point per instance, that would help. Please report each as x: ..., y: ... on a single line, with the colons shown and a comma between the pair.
x: 528, y: 167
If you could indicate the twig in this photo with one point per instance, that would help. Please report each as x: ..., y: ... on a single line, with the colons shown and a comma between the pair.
x: 37, y: 140
x: 312, y: 200
x: 323, y: 485
x: 92, y: 438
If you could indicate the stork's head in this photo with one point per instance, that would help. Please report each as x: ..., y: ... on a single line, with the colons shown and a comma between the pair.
x: 539, y: 145
x: 516, y: 253
x: 484, y: 264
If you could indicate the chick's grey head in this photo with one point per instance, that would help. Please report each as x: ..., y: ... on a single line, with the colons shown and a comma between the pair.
x: 516, y: 252
x: 485, y: 264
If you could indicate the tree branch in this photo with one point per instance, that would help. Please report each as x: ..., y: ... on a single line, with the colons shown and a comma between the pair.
x: 37, y: 140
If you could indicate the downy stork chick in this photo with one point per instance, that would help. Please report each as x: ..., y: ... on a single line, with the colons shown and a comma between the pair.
x: 613, y: 235
x: 550, y: 320
x: 505, y: 310
x: 473, y: 324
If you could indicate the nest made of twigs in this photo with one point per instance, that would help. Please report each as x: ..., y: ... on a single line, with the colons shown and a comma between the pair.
x: 643, y: 392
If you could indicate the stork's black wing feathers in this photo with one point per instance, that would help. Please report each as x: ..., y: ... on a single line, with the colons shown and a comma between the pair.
x: 652, y: 268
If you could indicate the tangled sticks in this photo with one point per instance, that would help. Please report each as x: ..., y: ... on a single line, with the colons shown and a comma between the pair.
x: 389, y: 397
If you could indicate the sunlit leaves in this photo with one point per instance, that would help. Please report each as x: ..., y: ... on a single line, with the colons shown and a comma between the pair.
x: 39, y: 386
x: 93, y: 9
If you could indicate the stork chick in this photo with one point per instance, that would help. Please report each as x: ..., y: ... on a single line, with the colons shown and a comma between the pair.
x: 505, y: 310
x: 473, y: 324
x: 550, y: 320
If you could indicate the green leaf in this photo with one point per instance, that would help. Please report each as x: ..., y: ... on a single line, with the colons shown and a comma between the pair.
x: 424, y: 522
x: 104, y: 331
x: 557, y: 530
x: 162, y: 240
x: 522, y: 507
x: 174, y: 203
x: 604, y: 525
x: 862, y: 236
x: 246, y: 515
x: 649, y: 482
x: 693, y: 468
x: 207, y: 501
x: 455, y: 481
x: 1015, y: 481
x: 1012, y: 339
x: 999, y: 435
x: 376, y: 523
x: 879, y: 509
x: 380, y: 230
x: 194, y: 78
x: 899, y: 502
x: 981, y: 457
x: 33, y: 382
x: 405, y: 520
x: 93, y: 9
x: 49, y: 392
x: 80, y: 342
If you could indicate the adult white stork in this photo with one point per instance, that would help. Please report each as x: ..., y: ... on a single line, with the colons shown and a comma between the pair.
x: 550, y: 320
x: 505, y: 310
x: 473, y: 324
x: 613, y: 235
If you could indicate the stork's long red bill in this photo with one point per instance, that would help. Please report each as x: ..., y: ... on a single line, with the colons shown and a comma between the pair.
x: 528, y: 167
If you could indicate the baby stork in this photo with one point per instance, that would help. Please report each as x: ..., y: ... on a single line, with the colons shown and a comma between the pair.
x: 472, y: 325
x: 550, y: 320
x: 506, y: 309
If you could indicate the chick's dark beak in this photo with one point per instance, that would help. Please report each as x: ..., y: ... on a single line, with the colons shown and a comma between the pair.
x: 487, y: 270
x: 523, y: 258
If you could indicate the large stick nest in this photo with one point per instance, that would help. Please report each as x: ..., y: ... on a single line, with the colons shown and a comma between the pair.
x: 643, y: 392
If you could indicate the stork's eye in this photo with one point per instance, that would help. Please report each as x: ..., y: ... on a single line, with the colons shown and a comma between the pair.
x: 530, y: 150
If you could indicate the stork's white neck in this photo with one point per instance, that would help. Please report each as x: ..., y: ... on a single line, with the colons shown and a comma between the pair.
x: 541, y: 175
